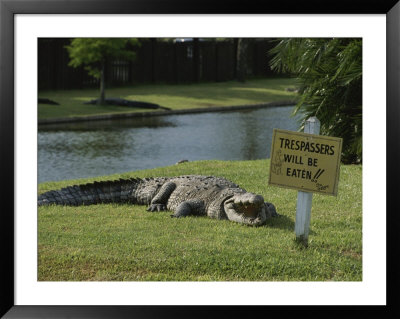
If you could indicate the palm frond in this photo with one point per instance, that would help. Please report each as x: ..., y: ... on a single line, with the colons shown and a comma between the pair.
x: 330, y: 72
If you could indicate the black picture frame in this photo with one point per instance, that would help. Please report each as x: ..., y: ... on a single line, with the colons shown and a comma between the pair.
x: 8, y: 10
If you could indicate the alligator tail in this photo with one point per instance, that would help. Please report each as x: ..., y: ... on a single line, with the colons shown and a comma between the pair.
x: 118, y: 191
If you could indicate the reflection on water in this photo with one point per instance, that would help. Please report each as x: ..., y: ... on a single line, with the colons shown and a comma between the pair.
x: 86, y: 149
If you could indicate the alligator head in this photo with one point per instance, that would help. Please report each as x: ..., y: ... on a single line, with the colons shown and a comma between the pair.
x: 249, y: 209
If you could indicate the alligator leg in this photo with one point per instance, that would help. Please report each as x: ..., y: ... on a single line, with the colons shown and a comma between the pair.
x: 190, y: 207
x: 159, y: 202
x: 270, y: 210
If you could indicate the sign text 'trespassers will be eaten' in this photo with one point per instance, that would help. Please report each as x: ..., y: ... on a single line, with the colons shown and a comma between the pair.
x: 306, y: 162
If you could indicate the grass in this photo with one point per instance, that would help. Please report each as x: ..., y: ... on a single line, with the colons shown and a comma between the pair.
x: 176, y: 97
x: 119, y: 242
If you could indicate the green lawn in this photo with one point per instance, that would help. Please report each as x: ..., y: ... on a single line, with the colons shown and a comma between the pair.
x: 120, y: 242
x: 175, y: 97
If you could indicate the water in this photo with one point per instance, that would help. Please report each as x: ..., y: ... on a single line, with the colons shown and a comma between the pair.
x: 88, y: 149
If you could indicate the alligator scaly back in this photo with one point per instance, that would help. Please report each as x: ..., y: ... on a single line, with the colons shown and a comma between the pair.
x: 118, y: 191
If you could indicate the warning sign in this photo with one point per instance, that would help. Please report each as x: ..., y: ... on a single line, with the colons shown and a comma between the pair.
x: 306, y: 162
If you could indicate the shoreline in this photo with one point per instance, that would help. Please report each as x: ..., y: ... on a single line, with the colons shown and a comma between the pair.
x: 113, y: 116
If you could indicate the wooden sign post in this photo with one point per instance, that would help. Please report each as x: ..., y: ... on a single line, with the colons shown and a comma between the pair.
x: 307, y: 162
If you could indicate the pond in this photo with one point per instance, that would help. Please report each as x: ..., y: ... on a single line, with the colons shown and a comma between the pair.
x: 88, y: 149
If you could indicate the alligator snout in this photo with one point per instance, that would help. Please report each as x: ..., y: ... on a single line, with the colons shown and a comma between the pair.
x: 248, y: 198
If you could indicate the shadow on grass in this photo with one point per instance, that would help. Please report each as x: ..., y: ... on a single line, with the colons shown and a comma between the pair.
x: 283, y: 222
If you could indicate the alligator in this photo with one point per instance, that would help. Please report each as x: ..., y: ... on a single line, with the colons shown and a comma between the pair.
x: 197, y: 195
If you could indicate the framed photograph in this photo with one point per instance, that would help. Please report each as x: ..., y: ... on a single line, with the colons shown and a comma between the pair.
x: 22, y: 23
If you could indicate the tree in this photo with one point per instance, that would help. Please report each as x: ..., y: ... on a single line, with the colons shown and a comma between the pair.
x: 241, y: 45
x: 196, y: 60
x: 94, y: 53
x: 330, y: 75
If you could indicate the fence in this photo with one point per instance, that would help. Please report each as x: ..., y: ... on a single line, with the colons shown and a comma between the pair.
x: 156, y: 62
